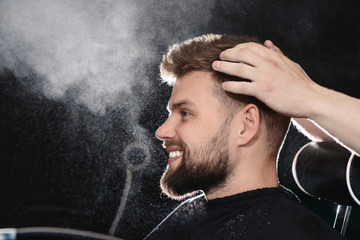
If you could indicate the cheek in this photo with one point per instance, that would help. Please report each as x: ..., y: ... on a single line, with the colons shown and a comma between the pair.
x: 191, y: 135
x: 185, y: 135
x: 198, y: 132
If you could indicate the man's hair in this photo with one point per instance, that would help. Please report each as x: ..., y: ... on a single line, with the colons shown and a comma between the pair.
x: 198, y: 54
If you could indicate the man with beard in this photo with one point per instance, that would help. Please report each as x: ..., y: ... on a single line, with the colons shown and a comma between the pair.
x: 226, y: 145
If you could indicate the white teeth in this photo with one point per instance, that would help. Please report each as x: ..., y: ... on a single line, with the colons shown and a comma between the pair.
x: 174, y: 154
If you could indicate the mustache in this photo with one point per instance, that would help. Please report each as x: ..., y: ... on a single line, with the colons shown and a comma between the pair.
x: 178, y: 143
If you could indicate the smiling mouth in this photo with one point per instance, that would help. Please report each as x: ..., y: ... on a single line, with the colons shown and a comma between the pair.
x: 175, y: 154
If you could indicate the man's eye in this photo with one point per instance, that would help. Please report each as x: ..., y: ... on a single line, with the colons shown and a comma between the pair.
x: 184, y: 113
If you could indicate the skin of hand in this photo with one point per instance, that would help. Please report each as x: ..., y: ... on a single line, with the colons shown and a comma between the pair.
x: 274, y: 78
x: 285, y: 87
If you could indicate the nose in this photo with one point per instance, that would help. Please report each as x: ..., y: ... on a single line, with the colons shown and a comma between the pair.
x: 166, y: 131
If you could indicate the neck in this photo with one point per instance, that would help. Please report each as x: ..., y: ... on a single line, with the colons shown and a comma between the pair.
x: 248, y: 175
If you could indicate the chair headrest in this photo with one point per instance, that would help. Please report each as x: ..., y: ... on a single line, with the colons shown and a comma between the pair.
x: 328, y: 171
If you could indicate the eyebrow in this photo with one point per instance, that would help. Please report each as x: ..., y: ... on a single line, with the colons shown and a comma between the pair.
x: 178, y: 104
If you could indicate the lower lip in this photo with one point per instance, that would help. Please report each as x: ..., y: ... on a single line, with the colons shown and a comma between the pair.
x: 171, y: 160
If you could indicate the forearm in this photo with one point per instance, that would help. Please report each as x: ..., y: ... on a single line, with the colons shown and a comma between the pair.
x: 312, y: 130
x: 339, y: 115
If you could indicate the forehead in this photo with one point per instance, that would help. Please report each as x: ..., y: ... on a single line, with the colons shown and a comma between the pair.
x: 194, y: 88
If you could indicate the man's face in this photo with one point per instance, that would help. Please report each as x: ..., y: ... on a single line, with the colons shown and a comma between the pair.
x: 196, y: 137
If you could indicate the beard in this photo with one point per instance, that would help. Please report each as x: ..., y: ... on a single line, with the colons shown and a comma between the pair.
x: 206, y: 168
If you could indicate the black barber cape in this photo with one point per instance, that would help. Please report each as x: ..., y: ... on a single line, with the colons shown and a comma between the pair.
x: 269, y: 213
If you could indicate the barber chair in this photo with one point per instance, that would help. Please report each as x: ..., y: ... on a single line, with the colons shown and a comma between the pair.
x: 326, y: 170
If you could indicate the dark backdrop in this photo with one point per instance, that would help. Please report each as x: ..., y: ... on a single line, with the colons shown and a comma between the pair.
x: 76, y: 146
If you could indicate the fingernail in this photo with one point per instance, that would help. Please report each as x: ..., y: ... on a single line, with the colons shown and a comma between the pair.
x: 216, y: 65
x: 225, y: 85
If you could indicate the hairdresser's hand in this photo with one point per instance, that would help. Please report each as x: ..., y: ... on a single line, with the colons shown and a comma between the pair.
x: 284, y: 86
x: 274, y: 79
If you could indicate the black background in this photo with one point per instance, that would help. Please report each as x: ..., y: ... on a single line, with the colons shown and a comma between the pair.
x: 61, y: 164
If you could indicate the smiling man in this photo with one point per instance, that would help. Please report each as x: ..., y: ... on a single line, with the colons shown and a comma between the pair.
x: 196, y: 130
x: 203, y: 155
x: 225, y: 145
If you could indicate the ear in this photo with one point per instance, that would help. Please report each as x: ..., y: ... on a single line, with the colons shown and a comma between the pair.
x: 248, y: 124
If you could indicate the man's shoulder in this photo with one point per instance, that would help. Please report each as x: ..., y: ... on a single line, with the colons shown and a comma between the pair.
x: 176, y: 224
x: 281, y: 217
x: 276, y: 216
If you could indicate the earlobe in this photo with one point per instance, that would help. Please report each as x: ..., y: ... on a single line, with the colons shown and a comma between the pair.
x: 249, y: 124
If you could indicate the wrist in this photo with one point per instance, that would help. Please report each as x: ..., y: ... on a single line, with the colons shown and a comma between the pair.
x: 319, y: 103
